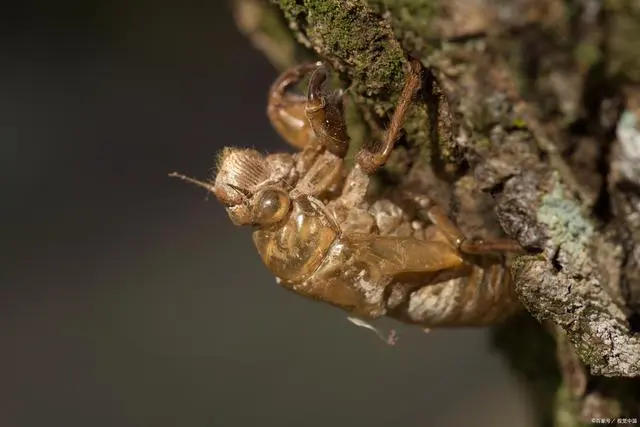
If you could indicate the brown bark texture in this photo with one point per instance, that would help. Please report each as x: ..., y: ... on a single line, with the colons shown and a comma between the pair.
x: 532, y: 106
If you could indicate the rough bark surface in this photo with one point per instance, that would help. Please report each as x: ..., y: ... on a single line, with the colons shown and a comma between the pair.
x: 535, y: 106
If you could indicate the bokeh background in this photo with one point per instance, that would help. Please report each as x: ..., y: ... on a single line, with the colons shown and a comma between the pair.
x: 128, y: 298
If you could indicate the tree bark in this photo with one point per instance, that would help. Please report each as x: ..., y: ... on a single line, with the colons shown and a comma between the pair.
x: 534, y: 105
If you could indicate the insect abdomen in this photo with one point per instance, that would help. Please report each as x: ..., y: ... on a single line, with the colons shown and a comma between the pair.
x: 484, y: 297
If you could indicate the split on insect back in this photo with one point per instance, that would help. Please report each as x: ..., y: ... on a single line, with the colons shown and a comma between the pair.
x: 319, y: 234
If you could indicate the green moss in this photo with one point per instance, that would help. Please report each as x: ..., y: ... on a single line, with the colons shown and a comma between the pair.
x: 448, y: 151
x: 412, y: 16
x: 354, y: 39
x: 587, y: 54
x: 291, y: 9
x: 483, y: 143
x: 519, y: 123
x: 374, y: 58
x: 389, y: 63
x: 333, y: 24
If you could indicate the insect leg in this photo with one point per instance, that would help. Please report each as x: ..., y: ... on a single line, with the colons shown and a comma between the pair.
x: 479, y: 247
x: 393, y: 256
x: 325, y: 112
x: 323, y: 173
x: 286, y: 110
x: 440, y: 219
x: 370, y: 161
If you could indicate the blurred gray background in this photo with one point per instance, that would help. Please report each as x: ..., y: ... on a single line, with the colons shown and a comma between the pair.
x: 128, y: 298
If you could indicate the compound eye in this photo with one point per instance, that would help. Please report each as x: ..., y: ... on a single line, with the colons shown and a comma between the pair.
x: 271, y: 206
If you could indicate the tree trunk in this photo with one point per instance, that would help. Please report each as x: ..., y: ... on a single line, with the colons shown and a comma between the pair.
x: 534, y: 107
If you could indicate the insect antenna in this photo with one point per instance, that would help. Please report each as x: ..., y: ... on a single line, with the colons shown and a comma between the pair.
x: 193, y: 181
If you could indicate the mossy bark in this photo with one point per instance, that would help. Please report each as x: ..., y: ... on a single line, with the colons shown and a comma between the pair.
x: 537, y: 104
